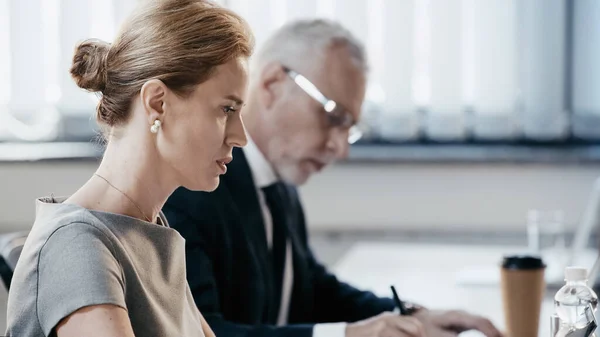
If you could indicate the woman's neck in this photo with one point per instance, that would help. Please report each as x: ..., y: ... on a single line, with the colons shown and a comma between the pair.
x: 130, y: 181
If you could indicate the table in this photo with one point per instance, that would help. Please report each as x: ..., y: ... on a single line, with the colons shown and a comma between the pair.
x: 427, y: 274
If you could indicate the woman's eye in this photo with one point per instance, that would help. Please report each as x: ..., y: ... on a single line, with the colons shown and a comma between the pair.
x: 229, y: 110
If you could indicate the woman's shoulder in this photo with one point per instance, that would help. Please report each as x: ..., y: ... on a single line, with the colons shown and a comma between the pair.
x: 56, y: 213
x: 68, y: 262
x: 61, y: 224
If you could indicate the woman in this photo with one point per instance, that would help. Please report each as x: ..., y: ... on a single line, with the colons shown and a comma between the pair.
x: 104, y: 262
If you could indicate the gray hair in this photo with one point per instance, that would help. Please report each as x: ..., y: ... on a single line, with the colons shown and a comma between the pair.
x: 299, y: 43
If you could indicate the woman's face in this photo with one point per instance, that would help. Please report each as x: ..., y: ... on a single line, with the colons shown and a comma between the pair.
x: 201, y: 129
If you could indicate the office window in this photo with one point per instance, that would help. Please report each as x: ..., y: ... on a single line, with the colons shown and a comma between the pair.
x: 441, y: 70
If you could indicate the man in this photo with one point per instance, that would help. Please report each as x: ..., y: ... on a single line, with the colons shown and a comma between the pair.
x: 249, y: 265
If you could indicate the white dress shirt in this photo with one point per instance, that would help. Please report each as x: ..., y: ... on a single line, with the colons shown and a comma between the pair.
x: 264, y: 175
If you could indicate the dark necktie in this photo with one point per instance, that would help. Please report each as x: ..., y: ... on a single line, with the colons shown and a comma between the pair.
x: 278, y: 201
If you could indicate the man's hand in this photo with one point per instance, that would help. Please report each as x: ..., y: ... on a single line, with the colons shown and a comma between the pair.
x: 451, y: 323
x: 386, y: 325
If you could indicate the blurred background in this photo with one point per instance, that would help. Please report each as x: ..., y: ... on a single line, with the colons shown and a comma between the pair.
x: 477, y: 112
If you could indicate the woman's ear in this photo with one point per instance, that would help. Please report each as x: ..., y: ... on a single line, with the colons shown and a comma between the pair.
x: 153, y: 95
x: 270, y: 87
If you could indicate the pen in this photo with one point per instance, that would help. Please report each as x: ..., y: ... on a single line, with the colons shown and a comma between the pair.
x: 399, y: 304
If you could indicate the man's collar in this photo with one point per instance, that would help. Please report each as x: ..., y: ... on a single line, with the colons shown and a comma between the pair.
x: 262, y: 171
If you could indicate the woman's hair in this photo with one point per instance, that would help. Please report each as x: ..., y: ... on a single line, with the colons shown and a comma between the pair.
x: 179, y: 42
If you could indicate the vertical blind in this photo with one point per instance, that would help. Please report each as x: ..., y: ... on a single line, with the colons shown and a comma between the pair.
x: 446, y: 70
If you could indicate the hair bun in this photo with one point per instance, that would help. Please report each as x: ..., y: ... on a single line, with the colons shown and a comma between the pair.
x: 89, y: 65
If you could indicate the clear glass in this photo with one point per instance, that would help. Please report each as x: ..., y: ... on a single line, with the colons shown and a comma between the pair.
x: 546, y: 238
x: 546, y: 231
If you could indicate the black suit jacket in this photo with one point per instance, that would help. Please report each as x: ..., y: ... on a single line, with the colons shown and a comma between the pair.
x: 228, y: 266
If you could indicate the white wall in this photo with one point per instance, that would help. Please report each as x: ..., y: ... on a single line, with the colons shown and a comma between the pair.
x: 447, y: 197
x: 444, y: 197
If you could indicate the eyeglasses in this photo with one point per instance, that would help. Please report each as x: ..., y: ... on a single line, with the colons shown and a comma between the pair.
x: 336, y: 114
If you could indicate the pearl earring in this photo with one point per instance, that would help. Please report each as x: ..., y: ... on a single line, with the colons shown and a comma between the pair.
x: 154, y: 128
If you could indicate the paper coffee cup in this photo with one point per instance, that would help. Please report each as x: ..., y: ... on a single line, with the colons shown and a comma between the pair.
x: 523, y: 287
